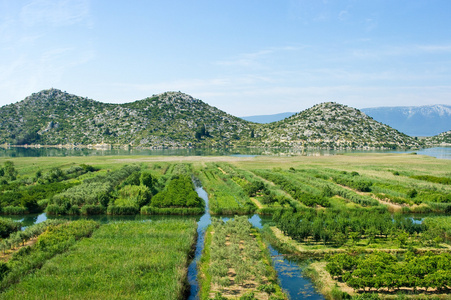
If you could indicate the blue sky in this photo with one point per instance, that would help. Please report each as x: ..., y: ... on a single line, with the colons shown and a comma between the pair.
x: 245, y: 57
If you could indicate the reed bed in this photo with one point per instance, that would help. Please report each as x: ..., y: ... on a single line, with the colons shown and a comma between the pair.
x: 126, y: 260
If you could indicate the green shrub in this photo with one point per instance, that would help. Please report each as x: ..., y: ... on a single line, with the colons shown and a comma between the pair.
x: 149, y: 210
x: 14, y: 210
x: 8, y: 226
x: 92, y: 210
x: 53, y: 209
x: 73, y: 210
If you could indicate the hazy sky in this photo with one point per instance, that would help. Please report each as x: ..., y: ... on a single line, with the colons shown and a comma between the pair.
x: 245, y: 57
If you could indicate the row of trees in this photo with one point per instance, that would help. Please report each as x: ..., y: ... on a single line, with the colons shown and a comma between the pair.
x: 338, y: 226
x: 294, y: 189
x: 383, y: 270
x: 93, y: 191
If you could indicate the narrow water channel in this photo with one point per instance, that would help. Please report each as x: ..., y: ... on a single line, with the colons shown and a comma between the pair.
x: 203, y: 223
x: 289, y: 272
x: 293, y: 282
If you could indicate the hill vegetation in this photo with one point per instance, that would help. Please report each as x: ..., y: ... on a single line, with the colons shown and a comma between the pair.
x: 442, y: 139
x: 175, y: 119
x: 332, y: 125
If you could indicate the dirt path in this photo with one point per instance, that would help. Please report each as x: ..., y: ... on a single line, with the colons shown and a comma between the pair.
x: 223, y: 172
x: 327, y: 282
x: 256, y: 202
x: 393, y: 207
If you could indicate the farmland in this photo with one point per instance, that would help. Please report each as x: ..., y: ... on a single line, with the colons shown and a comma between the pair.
x: 236, y: 263
x: 381, y: 208
x: 125, y: 260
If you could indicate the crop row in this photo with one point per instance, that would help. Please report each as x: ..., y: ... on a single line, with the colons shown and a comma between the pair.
x: 225, y: 195
x: 234, y: 260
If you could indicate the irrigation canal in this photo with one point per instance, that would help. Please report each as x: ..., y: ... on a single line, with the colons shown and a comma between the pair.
x: 289, y: 271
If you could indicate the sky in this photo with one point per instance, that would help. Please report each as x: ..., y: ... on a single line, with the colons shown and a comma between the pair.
x: 246, y: 57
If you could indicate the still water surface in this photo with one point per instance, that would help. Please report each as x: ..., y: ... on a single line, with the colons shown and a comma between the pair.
x: 438, y: 152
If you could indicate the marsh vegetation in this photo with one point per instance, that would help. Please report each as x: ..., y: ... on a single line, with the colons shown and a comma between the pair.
x: 347, y: 204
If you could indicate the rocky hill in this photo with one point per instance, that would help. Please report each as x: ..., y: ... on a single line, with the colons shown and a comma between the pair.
x: 171, y: 119
x: 332, y: 125
x: 442, y: 139
x: 174, y: 119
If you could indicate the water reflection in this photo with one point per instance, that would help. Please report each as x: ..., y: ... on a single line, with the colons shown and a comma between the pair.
x: 289, y: 272
x: 439, y: 152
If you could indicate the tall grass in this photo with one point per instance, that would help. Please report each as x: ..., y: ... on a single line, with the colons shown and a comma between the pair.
x: 123, y: 260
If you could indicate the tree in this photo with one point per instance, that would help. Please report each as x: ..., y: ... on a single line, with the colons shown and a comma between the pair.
x: 9, y: 171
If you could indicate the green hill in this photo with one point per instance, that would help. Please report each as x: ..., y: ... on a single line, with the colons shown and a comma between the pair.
x: 332, y: 125
x: 175, y: 119
x: 170, y: 119
x: 442, y: 139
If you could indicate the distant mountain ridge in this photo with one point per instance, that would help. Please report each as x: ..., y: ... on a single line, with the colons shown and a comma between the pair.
x: 175, y: 119
x: 428, y: 120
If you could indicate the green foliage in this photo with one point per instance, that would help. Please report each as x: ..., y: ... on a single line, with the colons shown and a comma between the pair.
x: 306, y: 195
x: 354, y: 181
x: 94, y: 190
x: 92, y: 209
x: 149, y: 210
x: 55, y: 240
x: 14, y: 210
x: 27, y: 197
x: 128, y: 260
x: 383, y: 270
x: 8, y: 171
x: 178, y: 193
x: 8, y: 226
x: 53, y: 209
x: 133, y: 195
x: 430, y: 178
x: 336, y: 227
x: 236, y: 245
x: 225, y: 195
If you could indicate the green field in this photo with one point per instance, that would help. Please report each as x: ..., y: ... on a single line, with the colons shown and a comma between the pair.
x: 359, y: 204
x: 127, y: 260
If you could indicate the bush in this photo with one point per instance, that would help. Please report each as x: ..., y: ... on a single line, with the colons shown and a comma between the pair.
x: 14, y: 210
x: 178, y: 193
x: 53, y: 209
x: 73, y: 210
x: 149, y: 210
x: 92, y: 210
x: 8, y: 226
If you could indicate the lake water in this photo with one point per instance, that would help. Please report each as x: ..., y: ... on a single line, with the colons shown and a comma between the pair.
x: 438, y: 152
